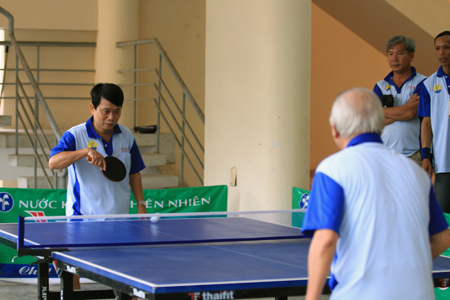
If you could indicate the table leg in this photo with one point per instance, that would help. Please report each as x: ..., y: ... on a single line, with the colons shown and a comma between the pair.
x: 43, y: 289
x: 66, y: 286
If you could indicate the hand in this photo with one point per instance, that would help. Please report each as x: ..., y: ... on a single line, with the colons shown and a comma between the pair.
x: 426, y: 165
x: 96, y: 159
x: 413, y: 98
x: 141, y: 209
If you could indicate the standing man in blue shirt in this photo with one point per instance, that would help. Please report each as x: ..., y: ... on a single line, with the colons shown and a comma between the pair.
x: 399, y: 92
x: 88, y: 192
x: 372, y: 222
x: 434, y: 107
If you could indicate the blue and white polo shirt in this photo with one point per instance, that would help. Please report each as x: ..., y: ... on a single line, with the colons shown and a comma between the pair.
x: 434, y: 103
x: 384, y: 214
x: 402, y: 136
x: 88, y: 191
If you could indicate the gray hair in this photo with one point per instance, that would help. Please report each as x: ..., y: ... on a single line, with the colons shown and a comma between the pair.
x: 356, y: 111
x: 410, y: 45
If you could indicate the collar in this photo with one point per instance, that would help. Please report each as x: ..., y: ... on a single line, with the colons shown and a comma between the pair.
x: 365, y: 138
x: 91, y: 132
x: 389, y: 77
x: 391, y: 74
x: 440, y: 72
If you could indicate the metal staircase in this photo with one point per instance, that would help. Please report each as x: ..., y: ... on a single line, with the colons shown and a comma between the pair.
x: 157, y: 149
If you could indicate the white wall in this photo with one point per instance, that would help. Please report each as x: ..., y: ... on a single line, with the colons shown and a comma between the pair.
x: 257, y: 100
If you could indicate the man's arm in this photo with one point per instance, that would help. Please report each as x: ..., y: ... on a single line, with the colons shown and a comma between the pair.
x: 403, y: 112
x: 136, y: 188
x: 64, y: 159
x: 426, y: 136
x: 320, y: 256
x: 439, y: 242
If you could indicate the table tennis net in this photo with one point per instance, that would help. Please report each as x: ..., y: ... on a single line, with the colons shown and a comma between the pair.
x: 168, y: 229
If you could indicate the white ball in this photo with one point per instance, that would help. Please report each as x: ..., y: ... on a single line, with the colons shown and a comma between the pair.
x: 154, y: 219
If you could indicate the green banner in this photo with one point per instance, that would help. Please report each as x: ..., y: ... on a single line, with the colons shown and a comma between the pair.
x: 50, y: 202
x: 195, y: 199
x: 300, y: 199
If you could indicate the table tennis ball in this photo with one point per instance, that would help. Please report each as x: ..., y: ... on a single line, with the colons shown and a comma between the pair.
x: 154, y: 219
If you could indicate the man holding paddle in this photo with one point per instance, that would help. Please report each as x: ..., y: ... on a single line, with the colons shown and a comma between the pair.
x: 102, y: 158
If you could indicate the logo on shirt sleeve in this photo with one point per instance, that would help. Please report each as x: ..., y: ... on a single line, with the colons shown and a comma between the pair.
x: 437, y: 88
x: 388, y: 87
x: 92, y: 145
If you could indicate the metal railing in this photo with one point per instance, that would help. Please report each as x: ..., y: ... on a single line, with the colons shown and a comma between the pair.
x: 21, y: 111
x: 173, y: 111
x: 165, y: 109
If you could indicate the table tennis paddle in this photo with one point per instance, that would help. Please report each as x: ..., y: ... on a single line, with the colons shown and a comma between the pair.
x: 115, y: 169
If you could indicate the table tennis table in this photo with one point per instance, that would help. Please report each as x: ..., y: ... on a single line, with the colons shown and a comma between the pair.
x: 188, y: 258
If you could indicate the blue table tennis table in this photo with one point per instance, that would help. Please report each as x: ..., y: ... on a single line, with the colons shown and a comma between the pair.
x: 190, y: 258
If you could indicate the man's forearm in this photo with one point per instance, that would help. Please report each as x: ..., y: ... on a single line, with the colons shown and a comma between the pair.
x: 320, y: 256
x: 64, y: 159
x: 439, y: 243
x: 403, y: 112
x: 136, y: 188
x: 388, y: 121
x: 426, y: 133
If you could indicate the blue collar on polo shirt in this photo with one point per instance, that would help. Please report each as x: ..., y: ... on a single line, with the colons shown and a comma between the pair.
x: 365, y: 138
x: 389, y: 77
x: 91, y: 132
x: 440, y: 73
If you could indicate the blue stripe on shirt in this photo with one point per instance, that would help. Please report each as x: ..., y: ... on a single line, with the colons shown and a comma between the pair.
x: 438, y: 223
x: 424, y: 103
x: 66, y: 143
x: 325, y: 205
x: 137, y: 164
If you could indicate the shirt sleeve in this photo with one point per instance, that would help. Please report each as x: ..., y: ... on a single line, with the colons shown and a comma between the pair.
x: 438, y: 223
x: 137, y: 164
x: 419, y: 88
x: 325, y: 205
x: 424, y: 103
x: 66, y: 143
x: 377, y: 91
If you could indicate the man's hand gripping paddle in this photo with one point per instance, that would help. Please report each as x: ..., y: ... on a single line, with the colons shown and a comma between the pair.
x: 115, y: 169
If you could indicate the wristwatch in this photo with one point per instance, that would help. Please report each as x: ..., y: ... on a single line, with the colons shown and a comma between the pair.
x: 141, y: 202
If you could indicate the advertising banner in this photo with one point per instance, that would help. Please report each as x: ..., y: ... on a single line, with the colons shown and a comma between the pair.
x: 300, y: 199
x: 51, y: 202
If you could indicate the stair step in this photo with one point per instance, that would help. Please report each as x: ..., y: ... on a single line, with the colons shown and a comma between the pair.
x: 5, y: 121
x: 27, y: 182
x: 147, y: 144
x: 160, y: 181
x: 153, y: 159
x: 8, y: 139
x: 25, y: 160
x: 156, y: 181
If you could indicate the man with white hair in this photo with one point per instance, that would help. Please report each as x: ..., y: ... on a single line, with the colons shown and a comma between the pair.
x: 373, y: 223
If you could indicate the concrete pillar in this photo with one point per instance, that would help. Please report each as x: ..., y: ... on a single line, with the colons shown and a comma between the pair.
x: 118, y: 21
x: 257, y: 100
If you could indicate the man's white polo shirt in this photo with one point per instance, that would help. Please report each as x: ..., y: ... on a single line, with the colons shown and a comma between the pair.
x: 88, y: 191
x: 434, y: 103
x: 383, y: 207
x: 402, y: 136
